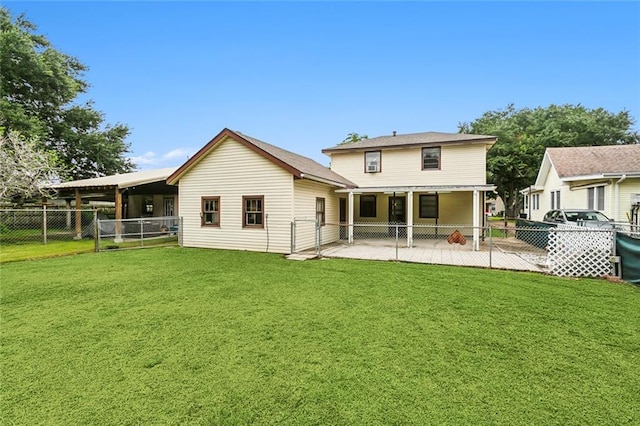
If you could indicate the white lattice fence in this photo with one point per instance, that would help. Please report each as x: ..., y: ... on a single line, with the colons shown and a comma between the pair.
x: 580, y: 252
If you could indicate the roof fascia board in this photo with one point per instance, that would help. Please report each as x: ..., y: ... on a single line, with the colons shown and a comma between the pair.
x: 545, y: 166
x: 485, y: 141
x: 425, y: 188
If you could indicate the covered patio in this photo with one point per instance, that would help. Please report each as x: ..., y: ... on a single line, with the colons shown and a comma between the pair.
x: 406, y: 206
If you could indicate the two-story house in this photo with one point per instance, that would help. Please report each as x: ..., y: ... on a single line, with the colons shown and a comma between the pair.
x: 238, y: 192
x: 414, y: 179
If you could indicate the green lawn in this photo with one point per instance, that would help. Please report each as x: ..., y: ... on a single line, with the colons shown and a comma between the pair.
x: 38, y: 250
x: 189, y: 336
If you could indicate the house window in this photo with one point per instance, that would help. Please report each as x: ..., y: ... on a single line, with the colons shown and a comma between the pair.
x: 555, y: 200
x: 368, y: 206
x: 320, y: 206
x: 595, y: 198
x: 210, y: 215
x: 252, y: 211
x: 429, y: 206
x: 431, y: 158
x: 535, y: 205
x: 372, y: 161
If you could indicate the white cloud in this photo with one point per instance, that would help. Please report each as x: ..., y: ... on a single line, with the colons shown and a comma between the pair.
x: 180, y: 154
x: 150, y: 159
x: 146, y: 159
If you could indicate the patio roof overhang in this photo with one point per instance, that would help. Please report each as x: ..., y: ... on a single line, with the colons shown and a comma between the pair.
x: 419, y: 188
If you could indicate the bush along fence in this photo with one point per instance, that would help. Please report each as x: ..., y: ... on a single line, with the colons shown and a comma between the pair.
x: 528, y: 246
x: 44, y: 225
x: 114, y: 234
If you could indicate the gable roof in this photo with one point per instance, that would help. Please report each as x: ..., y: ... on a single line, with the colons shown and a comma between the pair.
x: 124, y: 180
x: 298, y: 165
x: 412, y: 139
x: 595, y: 160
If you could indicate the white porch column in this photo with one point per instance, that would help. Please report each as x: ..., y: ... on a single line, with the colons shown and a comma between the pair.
x: 350, y: 201
x: 476, y: 220
x: 409, y: 218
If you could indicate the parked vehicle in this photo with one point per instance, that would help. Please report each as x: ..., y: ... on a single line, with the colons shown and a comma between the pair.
x: 579, y: 217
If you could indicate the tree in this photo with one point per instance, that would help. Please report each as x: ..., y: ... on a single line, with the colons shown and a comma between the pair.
x: 353, y: 137
x: 523, y: 135
x: 38, y: 87
x: 25, y: 170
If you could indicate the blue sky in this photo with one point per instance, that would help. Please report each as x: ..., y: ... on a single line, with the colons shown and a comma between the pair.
x: 302, y: 75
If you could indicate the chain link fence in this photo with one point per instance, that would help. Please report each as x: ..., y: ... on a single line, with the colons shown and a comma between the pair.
x: 118, y: 234
x: 537, y: 247
x: 41, y: 226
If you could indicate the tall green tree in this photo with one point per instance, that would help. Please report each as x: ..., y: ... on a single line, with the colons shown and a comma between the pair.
x: 39, y: 86
x: 353, y: 137
x: 524, y: 134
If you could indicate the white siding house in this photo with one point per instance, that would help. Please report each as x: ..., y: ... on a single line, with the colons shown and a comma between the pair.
x: 604, y: 178
x: 415, y: 179
x: 241, y: 193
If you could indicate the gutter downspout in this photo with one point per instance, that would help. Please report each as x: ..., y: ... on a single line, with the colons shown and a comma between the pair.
x: 616, y: 207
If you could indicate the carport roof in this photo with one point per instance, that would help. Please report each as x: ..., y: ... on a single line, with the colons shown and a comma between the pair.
x: 125, y: 180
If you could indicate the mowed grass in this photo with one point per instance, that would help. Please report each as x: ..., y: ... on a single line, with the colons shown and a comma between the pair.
x: 189, y: 336
x: 38, y: 250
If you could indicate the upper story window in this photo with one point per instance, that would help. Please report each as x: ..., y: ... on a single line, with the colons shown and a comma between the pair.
x: 372, y: 161
x: 595, y: 198
x: 555, y: 200
x: 431, y: 158
x: 253, y: 211
x: 210, y: 214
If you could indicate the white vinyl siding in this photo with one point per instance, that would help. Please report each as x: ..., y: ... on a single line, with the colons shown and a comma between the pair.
x: 306, y: 193
x: 459, y: 165
x: 230, y: 172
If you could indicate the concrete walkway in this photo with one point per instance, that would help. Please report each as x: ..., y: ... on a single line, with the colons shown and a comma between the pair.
x: 448, y: 255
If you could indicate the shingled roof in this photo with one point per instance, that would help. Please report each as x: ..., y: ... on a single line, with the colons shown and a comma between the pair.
x: 595, y: 160
x: 298, y: 165
x: 411, y: 139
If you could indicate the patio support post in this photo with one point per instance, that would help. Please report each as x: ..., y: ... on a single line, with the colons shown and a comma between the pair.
x: 350, y: 202
x: 409, y: 219
x: 78, y: 216
x: 67, y: 204
x: 476, y: 220
x: 118, y: 195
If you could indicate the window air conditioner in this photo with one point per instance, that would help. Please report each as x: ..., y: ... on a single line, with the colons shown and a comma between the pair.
x: 372, y: 168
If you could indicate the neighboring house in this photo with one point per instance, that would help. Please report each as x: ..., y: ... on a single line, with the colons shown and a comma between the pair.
x: 604, y: 178
x: 238, y: 192
x: 137, y: 194
x: 494, y: 206
x: 415, y: 179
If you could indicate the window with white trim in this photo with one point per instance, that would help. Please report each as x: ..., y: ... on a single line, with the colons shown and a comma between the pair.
x: 555, y: 200
x: 595, y: 198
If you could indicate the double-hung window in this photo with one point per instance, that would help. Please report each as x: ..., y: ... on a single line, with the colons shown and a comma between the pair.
x: 595, y: 198
x: 253, y: 211
x: 320, y: 211
x: 431, y: 158
x: 372, y: 161
x: 555, y: 200
x: 210, y: 213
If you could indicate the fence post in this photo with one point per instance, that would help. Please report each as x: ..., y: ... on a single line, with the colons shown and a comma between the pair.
x: 141, y: 233
x: 490, y: 247
x: 319, y: 238
x: 96, y: 227
x: 396, y: 242
x: 180, y: 226
x: 293, y: 236
x: 44, y: 223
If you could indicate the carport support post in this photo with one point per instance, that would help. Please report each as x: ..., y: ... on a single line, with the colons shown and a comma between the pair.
x: 350, y: 217
x: 78, y: 216
x: 118, y: 194
x: 476, y: 220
